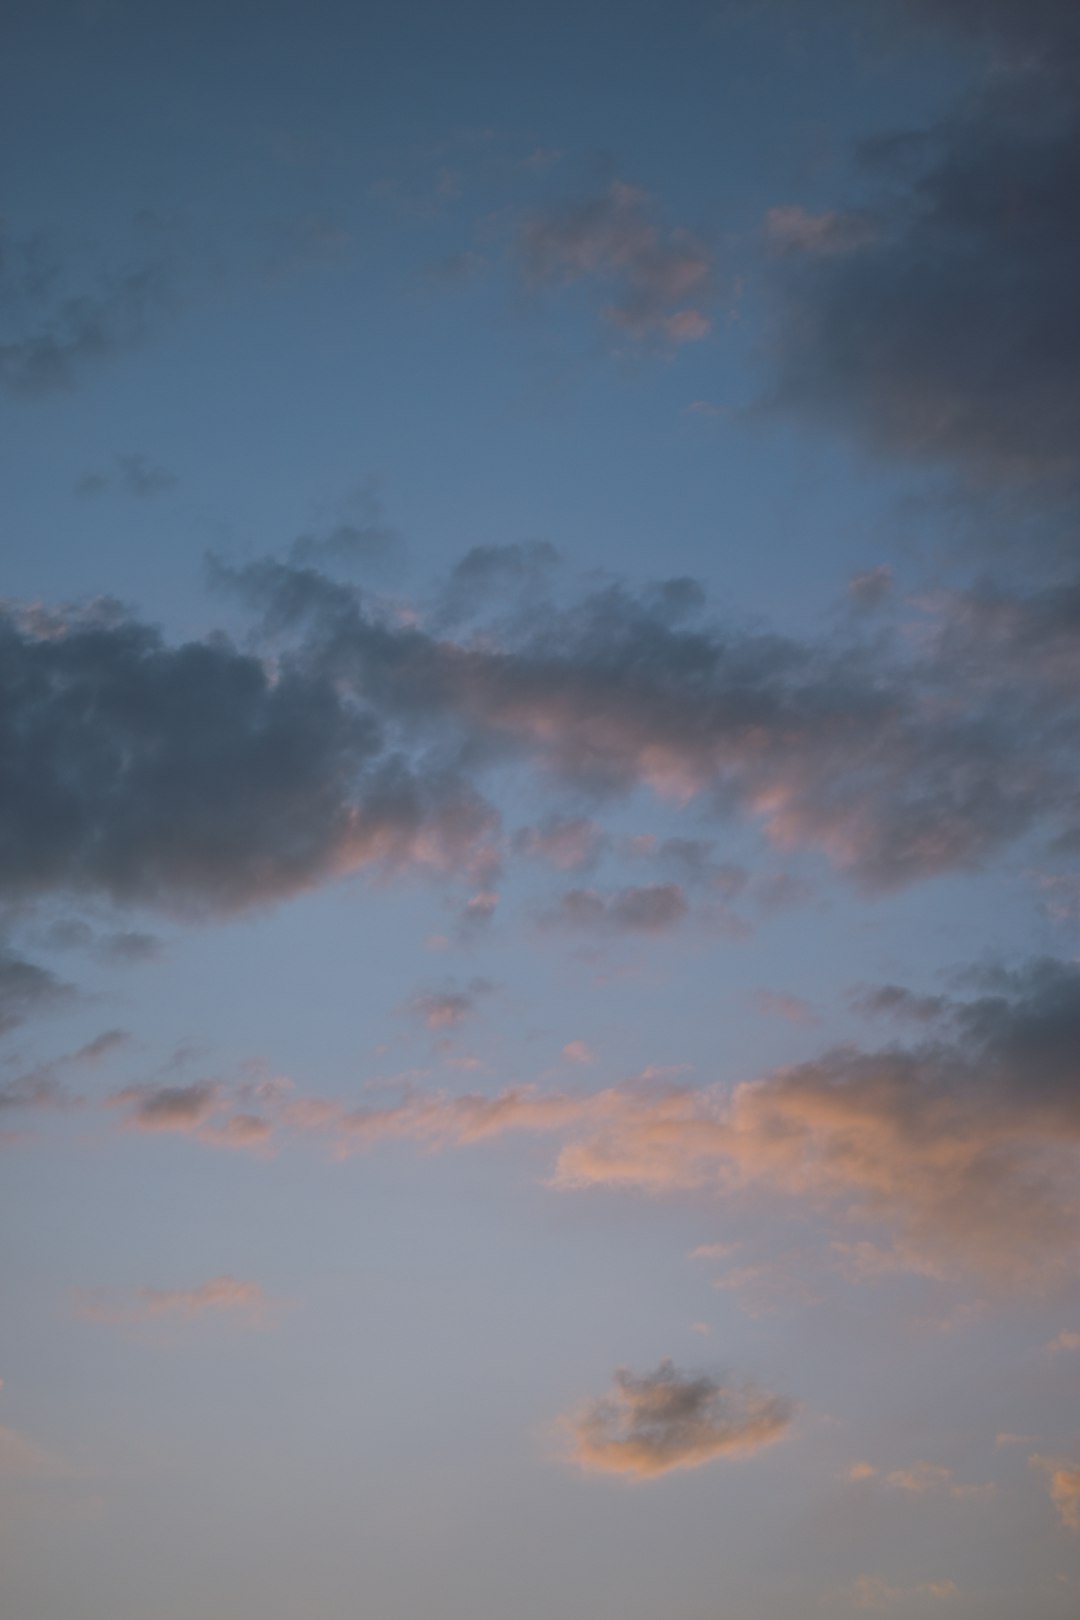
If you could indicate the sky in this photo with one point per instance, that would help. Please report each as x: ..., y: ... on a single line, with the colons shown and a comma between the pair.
x: 540, y: 810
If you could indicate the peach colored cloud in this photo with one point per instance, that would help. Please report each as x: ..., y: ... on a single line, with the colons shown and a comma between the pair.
x: 219, y: 1294
x: 1064, y: 1480
x: 649, y: 1425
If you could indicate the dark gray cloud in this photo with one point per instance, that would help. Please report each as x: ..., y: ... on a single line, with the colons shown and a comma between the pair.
x: 196, y: 777
x: 200, y: 777
x: 949, y: 332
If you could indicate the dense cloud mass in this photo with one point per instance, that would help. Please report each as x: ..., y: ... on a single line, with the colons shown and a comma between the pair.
x: 666, y: 1419
x: 939, y: 319
x: 195, y: 777
x: 203, y: 778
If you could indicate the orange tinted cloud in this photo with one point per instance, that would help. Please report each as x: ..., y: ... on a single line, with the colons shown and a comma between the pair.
x: 1064, y: 1480
x: 223, y: 1293
x: 649, y: 1425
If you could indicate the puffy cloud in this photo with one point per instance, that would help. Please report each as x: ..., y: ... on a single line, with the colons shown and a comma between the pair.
x: 1066, y: 1340
x: 220, y: 1294
x: 967, y: 1147
x: 1064, y: 1479
x: 198, y: 777
x: 613, y: 239
x: 202, y: 778
x: 649, y: 1425
x: 947, y: 331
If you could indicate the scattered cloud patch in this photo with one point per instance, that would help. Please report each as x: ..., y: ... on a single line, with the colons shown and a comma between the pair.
x: 651, y: 1424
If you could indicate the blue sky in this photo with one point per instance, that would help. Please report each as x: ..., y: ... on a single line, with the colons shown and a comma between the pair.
x: 539, y: 994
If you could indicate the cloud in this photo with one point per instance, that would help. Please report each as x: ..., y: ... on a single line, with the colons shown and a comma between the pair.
x: 569, y: 843
x: 778, y: 1004
x: 27, y: 989
x: 923, y: 1477
x: 944, y: 330
x: 44, y: 1085
x: 872, y: 1592
x: 136, y: 475
x: 1066, y: 1340
x: 966, y: 1147
x: 649, y: 1425
x: 359, y: 737
x: 56, y: 325
x: 219, y: 1294
x: 613, y: 239
x: 963, y: 1148
x: 578, y: 1052
x: 656, y: 908
x: 1064, y: 1488
x: 197, y: 777
x: 872, y: 587
x: 21, y: 1458
x: 446, y: 1009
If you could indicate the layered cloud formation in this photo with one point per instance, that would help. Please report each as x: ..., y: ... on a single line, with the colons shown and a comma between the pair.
x: 203, y: 778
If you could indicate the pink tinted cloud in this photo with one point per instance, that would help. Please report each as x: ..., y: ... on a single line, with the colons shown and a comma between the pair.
x: 657, y: 1422
x: 224, y: 1294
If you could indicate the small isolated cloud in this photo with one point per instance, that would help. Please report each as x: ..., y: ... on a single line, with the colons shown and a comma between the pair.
x: 649, y: 1425
x: 168, y: 1108
x: 446, y: 1009
x: 796, y: 230
x: 1064, y: 1479
x: 862, y: 1470
x: 220, y: 1294
x: 1066, y: 1340
x: 654, y: 908
x: 924, y: 1477
x: 871, y: 587
x: 131, y: 474
x: 658, y: 279
x: 578, y: 1052
x: 792, y: 1009
x: 568, y: 843
x: 872, y: 1592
